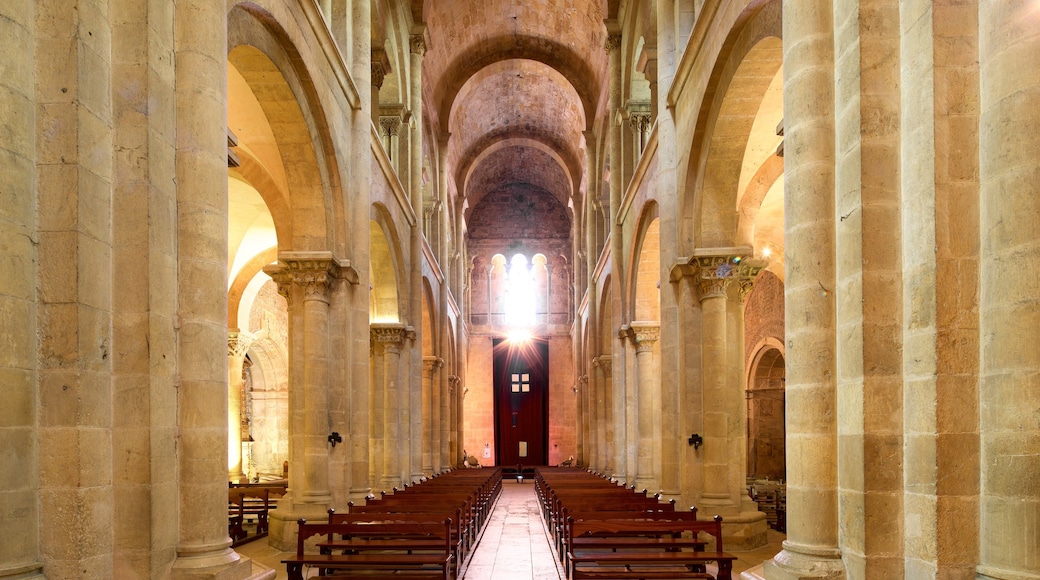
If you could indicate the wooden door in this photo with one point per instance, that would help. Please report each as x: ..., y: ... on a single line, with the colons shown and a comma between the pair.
x: 521, y: 402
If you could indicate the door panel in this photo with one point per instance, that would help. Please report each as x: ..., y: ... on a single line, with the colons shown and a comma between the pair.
x: 521, y: 402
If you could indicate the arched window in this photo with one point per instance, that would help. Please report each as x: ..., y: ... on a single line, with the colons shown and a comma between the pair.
x: 520, y: 294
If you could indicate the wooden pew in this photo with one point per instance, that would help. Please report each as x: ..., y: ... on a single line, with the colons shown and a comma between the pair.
x: 248, y: 502
x: 618, y: 549
x: 412, y: 549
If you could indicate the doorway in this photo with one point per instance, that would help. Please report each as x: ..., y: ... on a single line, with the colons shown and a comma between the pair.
x: 521, y: 371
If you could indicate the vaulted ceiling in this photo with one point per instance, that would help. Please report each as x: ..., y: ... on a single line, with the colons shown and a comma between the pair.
x: 515, y: 84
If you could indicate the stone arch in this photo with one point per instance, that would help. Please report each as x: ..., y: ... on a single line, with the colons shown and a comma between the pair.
x: 645, y: 282
x: 748, y: 63
x: 766, y: 457
x: 386, y: 273
x: 549, y: 52
x: 243, y: 289
x: 301, y: 152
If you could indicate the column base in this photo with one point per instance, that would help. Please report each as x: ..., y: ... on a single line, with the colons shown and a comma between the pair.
x: 745, y: 532
x: 32, y: 571
x: 991, y: 573
x: 210, y: 562
x: 284, y: 523
x: 796, y: 562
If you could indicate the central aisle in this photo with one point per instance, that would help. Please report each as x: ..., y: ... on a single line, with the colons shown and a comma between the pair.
x: 515, y: 545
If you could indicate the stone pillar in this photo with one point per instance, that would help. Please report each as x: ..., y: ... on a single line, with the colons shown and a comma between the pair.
x: 713, y: 283
x: 648, y: 392
x: 19, y: 426
x: 238, y: 345
x: 304, y: 279
x: 725, y: 431
x: 605, y: 426
x: 431, y: 413
x: 376, y: 410
x: 585, y: 440
x: 203, y: 548
x: 359, y: 38
x: 412, y: 392
x: 453, y: 421
x: 811, y: 549
x: 1009, y: 398
x: 391, y: 337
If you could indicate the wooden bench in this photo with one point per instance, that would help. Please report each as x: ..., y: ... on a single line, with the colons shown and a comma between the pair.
x: 247, y: 503
x: 458, y: 533
x: 412, y: 549
x: 590, y: 540
x: 623, y: 549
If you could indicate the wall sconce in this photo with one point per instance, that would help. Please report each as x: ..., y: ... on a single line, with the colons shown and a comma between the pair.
x: 695, y: 440
x: 335, y: 438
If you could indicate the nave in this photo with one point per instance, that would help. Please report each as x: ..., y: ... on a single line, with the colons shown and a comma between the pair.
x: 514, y: 545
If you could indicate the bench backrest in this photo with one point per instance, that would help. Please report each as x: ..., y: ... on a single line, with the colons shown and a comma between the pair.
x: 440, y: 529
x: 577, y: 527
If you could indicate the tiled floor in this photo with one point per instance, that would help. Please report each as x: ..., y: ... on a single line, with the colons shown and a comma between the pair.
x: 514, y: 545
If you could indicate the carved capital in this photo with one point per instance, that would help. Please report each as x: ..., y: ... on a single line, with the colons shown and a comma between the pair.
x: 716, y: 273
x: 378, y: 75
x: 239, y: 342
x: 417, y: 44
x: 644, y: 336
x: 640, y: 122
x: 313, y: 273
x: 390, y: 336
x: 430, y: 363
x: 453, y: 383
x: 390, y: 125
x: 605, y: 363
x: 613, y: 42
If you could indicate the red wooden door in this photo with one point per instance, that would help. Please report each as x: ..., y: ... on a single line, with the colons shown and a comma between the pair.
x: 521, y: 402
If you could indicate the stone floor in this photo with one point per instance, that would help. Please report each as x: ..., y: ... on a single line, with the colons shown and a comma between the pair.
x: 514, y: 545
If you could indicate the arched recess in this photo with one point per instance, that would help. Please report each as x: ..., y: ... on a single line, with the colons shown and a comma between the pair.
x: 284, y: 128
x: 267, y: 386
x: 645, y: 285
x: 384, y: 269
x: 737, y: 130
x: 765, y: 411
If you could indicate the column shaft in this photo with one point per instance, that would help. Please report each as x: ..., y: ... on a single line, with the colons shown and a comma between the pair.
x: 1009, y: 401
x: 315, y: 488
x: 18, y: 294
x: 811, y: 549
x: 647, y: 394
x: 201, y: 86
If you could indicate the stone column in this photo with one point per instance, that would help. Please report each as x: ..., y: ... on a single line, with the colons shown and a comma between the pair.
x: 594, y: 447
x: 391, y: 337
x: 413, y: 428
x: 19, y: 425
x: 304, y: 279
x: 1009, y: 397
x: 811, y: 549
x: 644, y: 338
x: 614, y: 163
x: 605, y: 425
x: 453, y: 422
x: 376, y: 410
x: 713, y: 282
x: 723, y: 401
x: 238, y: 345
x: 200, y: 45
x: 585, y: 440
x: 431, y: 413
